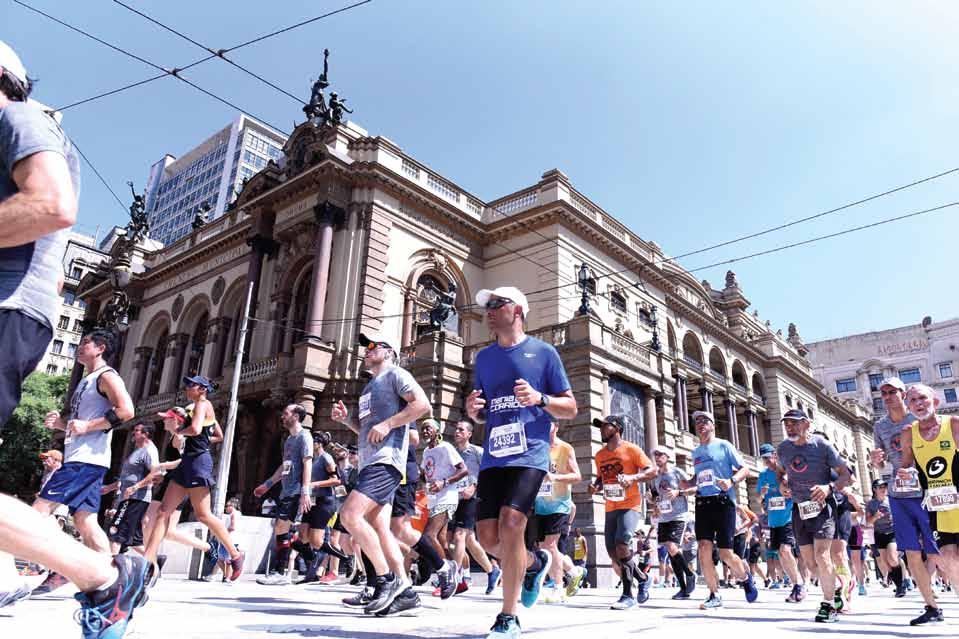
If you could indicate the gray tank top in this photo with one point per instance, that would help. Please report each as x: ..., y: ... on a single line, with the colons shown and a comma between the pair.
x: 89, y: 403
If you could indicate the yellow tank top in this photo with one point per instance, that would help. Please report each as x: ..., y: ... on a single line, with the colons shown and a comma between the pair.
x: 559, y: 455
x: 189, y: 411
x: 936, y: 461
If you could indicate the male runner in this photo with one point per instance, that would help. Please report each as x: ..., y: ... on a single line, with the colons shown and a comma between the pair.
x: 719, y: 467
x: 805, y: 460
x: 136, y: 490
x: 464, y: 520
x: 443, y: 468
x: 879, y: 517
x: 673, y: 508
x: 295, y: 473
x: 779, y: 510
x: 620, y: 467
x: 520, y: 386
x: 323, y: 481
x: 387, y: 405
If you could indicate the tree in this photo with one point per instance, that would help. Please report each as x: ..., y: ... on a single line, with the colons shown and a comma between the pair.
x: 24, y: 435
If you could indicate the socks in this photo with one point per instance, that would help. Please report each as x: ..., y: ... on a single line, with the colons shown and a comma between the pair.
x: 282, y: 556
x: 679, y: 569
x: 368, y: 568
x: 626, y: 571
x: 430, y: 555
x: 305, y: 550
x: 896, y: 575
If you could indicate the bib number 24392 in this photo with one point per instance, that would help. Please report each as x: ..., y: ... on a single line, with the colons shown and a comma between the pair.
x: 507, y: 440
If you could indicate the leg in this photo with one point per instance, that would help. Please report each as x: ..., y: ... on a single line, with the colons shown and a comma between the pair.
x: 514, y: 558
x: 557, y: 567
x: 200, y: 499
x: 380, y: 521
x: 921, y: 576
x: 90, y: 531
x: 477, y: 552
x: 788, y: 561
x: 174, y: 535
x: 737, y: 567
x: 707, y: 565
x: 354, y: 513
x: 433, y: 528
x: 171, y: 500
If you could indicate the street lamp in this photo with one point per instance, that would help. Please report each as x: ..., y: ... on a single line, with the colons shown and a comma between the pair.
x: 585, y: 277
x: 649, y: 318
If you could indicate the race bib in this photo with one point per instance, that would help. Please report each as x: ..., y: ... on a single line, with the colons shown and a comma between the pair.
x: 665, y: 506
x: 545, y: 489
x: 777, y: 503
x: 942, y: 498
x: 705, y: 478
x: 339, y: 491
x: 614, y: 492
x: 507, y: 440
x: 910, y: 485
x: 365, y: 405
x: 287, y: 466
x: 809, y: 509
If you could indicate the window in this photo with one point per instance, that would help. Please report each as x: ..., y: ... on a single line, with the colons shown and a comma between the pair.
x: 878, y: 406
x: 64, y: 322
x: 809, y: 413
x: 618, y: 301
x: 78, y: 326
x: 72, y: 350
x: 68, y: 298
x: 950, y: 394
x: 846, y: 385
x: 875, y: 380
x: 51, y: 369
x: 945, y: 370
x: 789, y: 400
x: 57, y: 346
x: 910, y: 375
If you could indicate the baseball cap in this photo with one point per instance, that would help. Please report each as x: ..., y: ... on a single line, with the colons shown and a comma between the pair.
x: 53, y: 454
x: 703, y: 413
x: 895, y: 382
x: 878, y: 483
x: 10, y: 61
x: 766, y: 450
x: 511, y: 293
x: 176, y: 413
x: 365, y: 341
x: 663, y: 451
x: 795, y: 413
x: 352, y: 449
x: 617, y: 421
x: 199, y: 380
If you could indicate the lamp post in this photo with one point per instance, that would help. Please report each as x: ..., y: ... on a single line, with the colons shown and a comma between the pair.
x: 585, y: 277
x: 649, y: 318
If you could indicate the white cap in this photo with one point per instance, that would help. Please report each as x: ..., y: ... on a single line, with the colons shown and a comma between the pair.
x: 10, y: 61
x: 511, y: 293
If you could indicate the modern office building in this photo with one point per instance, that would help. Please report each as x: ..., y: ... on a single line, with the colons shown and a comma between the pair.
x: 211, y: 172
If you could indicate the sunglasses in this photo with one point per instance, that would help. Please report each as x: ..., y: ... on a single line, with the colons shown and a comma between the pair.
x: 499, y: 302
x: 884, y: 393
x: 372, y: 346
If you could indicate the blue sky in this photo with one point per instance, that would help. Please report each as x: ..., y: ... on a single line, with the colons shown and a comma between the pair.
x: 693, y: 123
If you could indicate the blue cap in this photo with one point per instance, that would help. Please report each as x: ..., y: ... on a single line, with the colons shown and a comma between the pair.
x: 766, y: 450
x: 795, y: 413
x: 199, y: 380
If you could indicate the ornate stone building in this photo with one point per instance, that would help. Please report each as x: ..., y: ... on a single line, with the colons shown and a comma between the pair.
x: 347, y: 233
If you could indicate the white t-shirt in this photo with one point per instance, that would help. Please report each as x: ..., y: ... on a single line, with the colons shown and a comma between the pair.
x: 440, y: 463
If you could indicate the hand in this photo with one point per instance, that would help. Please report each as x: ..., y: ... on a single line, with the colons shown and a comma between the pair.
x: 78, y: 426
x: 819, y: 493
x: 784, y: 491
x: 672, y: 494
x: 625, y: 480
x: 468, y: 492
x: 904, y: 473
x: 525, y: 394
x: 260, y: 490
x: 378, y: 433
x: 475, y: 403
x: 723, y: 484
x: 877, y: 457
x: 550, y: 477
x: 305, y: 503
x: 53, y: 420
x: 435, y: 486
x: 339, y: 413
x: 593, y: 489
x: 765, y: 489
x: 128, y: 493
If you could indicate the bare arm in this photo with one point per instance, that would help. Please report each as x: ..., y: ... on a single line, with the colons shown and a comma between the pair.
x: 572, y: 474
x: 112, y: 386
x: 45, y: 201
x: 199, y: 417
x: 217, y: 433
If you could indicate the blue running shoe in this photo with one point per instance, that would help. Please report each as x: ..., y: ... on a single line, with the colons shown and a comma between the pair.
x: 506, y: 627
x: 751, y: 592
x: 105, y: 615
x: 624, y: 603
x: 533, y: 581
x: 642, y: 591
x: 493, y: 579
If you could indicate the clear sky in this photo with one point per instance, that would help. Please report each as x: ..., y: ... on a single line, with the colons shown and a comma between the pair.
x: 693, y: 122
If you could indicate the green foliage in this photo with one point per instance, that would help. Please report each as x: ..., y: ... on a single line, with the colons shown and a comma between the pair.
x: 24, y: 436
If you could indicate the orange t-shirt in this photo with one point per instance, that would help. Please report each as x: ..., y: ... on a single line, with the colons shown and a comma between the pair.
x: 627, y: 459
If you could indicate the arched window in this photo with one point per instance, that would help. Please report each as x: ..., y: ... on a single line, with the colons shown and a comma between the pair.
x: 428, y: 290
x: 301, y: 307
x: 157, y: 361
x: 197, y: 346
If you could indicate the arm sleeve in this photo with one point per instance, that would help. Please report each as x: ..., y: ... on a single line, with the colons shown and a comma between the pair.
x: 154, y: 456
x: 24, y: 131
x: 556, y: 380
x: 735, y: 459
x: 306, y: 445
x: 403, y: 382
x: 832, y: 457
x: 454, y: 456
x: 640, y: 459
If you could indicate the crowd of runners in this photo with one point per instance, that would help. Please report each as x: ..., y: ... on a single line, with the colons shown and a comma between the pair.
x: 504, y: 505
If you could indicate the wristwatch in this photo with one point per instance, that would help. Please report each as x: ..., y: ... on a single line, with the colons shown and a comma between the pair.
x: 543, y: 400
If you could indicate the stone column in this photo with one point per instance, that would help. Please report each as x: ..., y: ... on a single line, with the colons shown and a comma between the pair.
x: 707, y: 397
x: 753, y: 430
x: 408, y: 305
x: 733, y: 426
x: 173, y: 369
x: 683, y: 406
x: 141, y: 365
x: 650, y: 421
x: 281, y: 307
x: 262, y: 243
x: 327, y: 216
x: 217, y: 336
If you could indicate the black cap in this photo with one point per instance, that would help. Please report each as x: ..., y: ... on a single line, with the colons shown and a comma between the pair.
x: 352, y: 449
x: 879, y: 483
x: 365, y: 341
x: 795, y: 413
x: 616, y: 421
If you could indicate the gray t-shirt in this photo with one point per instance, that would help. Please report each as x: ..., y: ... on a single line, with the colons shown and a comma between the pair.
x: 381, y: 399
x: 295, y: 448
x: 883, y: 523
x: 807, y: 466
x: 887, y: 435
x: 320, y: 472
x: 472, y: 456
x: 671, y: 509
x: 30, y: 274
x: 136, y: 467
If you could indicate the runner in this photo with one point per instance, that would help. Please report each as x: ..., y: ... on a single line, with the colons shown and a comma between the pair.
x: 294, y: 473
x: 779, y: 507
x: 387, y: 405
x: 879, y: 518
x: 930, y: 444
x: 464, y: 520
x: 323, y: 481
x: 552, y: 509
x: 520, y: 386
x: 620, y: 467
x: 846, y: 505
x: 856, y: 550
x: 194, y: 474
x: 443, y: 468
x: 805, y: 461
x: 672, y: 507
x: 135, y: 488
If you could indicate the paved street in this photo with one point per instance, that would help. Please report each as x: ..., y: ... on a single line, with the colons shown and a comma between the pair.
x: 181, y: 609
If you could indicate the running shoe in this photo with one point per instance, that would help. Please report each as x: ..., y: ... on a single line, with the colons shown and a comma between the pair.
x: 505, y: 627
x: 682, y: 594
x: 642, y: 591
x: 776, y: 585
x: 576, y: 576
x: 713, y: 601
x: 533, y: 581
x: 237, y: 564
x: 901, y: 591
x: 359, y: 600
x: 437, y: 591
x: 447, y: 579
x: 862, y: 590
x: 837, y: 600
x: 329, y: 578
x: 385, y: 590
x: 553, y: 595
x: 750, y: 588
x: 930, y: 614
x: 330, y: 549
x: 690, y: 584
x: 106, y: 614
x: 624, y: 603
x: 826, y: 614
x: 492, y: 579
x: 406, y: 604
x: 274, y: 579
x: 798, y: 594
x: 307, y: 580
x: 53, y: 581
x: 461, y: 587
x: 11, y: 597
